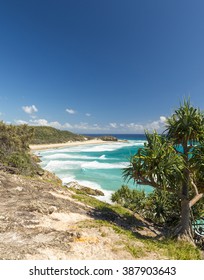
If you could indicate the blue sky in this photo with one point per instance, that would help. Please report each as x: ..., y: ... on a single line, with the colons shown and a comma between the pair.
x: 100, y: 66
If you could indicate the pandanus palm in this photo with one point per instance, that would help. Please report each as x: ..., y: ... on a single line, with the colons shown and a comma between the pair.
x: 177, y: 169
x: 186, y: 128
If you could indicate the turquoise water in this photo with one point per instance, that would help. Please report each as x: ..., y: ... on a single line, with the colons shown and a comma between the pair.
x: 97, y: 166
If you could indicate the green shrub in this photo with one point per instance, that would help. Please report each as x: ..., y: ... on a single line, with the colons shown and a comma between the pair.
x: 14, y: 148
x: 131, y: 199
x: 48, y: 135
x: 24, y: 163
x: 160, y: 206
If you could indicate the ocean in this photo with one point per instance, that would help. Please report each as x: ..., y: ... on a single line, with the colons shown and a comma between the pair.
x: 96, y: 166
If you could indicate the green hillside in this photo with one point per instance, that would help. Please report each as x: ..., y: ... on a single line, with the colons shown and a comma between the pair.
x: 50, y: 135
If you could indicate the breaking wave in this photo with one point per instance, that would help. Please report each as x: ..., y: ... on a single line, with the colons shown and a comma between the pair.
x: 56, y: 165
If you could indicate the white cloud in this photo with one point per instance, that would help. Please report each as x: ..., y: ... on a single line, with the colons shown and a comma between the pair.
x: 134, y: 128
x: 30, y: 109
x: 162, y: 119
x: 71, y: 111
x: 113, y: 125
x: 56, y: 124
x: 88, y: 115
x: 20, y: 122
x: 138, y: 128
x: 157, y: 125
x: 85, y: 127
x: 42, y: 122
x: 67, y: 125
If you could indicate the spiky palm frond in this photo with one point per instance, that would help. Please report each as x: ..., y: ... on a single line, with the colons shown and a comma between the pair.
x: 156, y: 164
x: 186, y: 124
x: 196, y: 163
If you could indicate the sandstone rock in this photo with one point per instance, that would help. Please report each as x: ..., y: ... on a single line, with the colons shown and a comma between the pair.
x: 108, y: 138
x: 91, y: 191
x: 84, y: 189
x: 52, y: 209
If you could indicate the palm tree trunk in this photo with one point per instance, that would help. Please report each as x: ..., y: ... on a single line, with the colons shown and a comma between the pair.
x: 185, y: 231
x: 185, y: 227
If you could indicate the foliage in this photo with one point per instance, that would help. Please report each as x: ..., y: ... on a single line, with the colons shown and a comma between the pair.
x: 156, y: 164
x: 160, y: 206
x: 23, y: 162
x: 14, y: 138
x: 196, y: 162
x: 174, y: 162
x: 131, y: 199
x: 50, y: 135
x: 186, y: 125
x: 14, y: 148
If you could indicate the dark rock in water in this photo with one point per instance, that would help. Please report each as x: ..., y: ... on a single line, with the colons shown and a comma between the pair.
x: 108, y: 138
x: 85, y: 190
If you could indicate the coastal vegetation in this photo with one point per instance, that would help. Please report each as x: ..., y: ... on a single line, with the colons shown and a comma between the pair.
x: 15, y: 154
x: 50, y: 135
x: 160, y: 206
x: 173, y: 162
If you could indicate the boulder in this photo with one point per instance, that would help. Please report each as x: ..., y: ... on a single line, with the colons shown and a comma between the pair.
x: 84, y: 189
x: 108, y: 138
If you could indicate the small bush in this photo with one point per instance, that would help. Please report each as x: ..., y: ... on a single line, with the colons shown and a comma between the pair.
x: 14, y: 148
x: 160, y: 206
x: 131, y: 199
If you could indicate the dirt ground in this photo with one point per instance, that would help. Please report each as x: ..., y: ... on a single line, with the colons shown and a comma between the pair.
x: 40, y: 220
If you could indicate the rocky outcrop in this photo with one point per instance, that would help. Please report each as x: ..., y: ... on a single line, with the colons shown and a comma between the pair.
x: 42, y: 220
x: 108, y: 138
x: 85, y: 190
x: 36, y: 216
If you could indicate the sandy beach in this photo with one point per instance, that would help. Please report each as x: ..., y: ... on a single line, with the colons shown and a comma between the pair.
x: 67, y: 144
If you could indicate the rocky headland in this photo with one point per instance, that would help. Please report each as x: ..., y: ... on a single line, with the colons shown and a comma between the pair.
x: 41, y: 219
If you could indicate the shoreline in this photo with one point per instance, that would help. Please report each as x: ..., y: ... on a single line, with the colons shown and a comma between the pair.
x: 40, y: 147
x: 68, y: 144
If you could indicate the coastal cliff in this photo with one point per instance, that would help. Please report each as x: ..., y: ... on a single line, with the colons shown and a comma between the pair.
x: 41, y: 219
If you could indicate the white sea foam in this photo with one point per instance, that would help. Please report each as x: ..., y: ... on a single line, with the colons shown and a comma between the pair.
x: 139, y: 144
x: 107, y: 197
x: 67, y: 156
x: 93, y: 148
x: 66, y: 180
x: 102, y: 157
x: 54, y: 165
x: 99, y: 165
